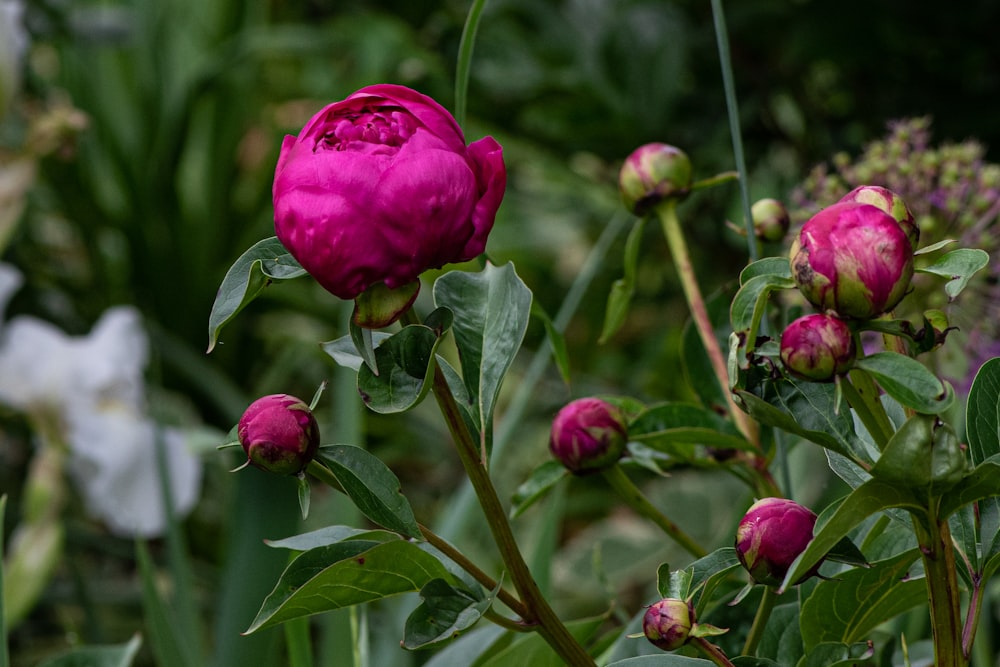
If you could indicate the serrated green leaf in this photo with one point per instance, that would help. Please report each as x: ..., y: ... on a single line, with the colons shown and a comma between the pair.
x: 345, y: 574
x: 832, y: 612
x: 958, y: 265
x: 620, y: 296
x: 445, y: 612
x: 372, y: 487
x: 541, y: 480
x: 119, y: 655
x: 908, y: 381
x: 872, y: 496
x: 265, y: 262
x: 405, y: 364
x: 491, y: 310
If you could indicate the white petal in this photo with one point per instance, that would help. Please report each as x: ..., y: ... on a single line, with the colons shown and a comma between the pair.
x: 10, y: 281
x: 37, y: 361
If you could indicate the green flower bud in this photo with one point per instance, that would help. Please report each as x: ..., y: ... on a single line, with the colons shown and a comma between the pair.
x: 652, y: 173
x: 770, y: 220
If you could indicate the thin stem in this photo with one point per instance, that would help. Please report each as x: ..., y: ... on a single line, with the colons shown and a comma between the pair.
x: 463, y: 562
x: 732, y: 109
x: 508, y: 623
x: 712, y: 652
x: 634, y: 498
x: 862, y: 395
x: 464, y: 65
x: 972, y: 617
x: 934, y: 538
x: 760, y: 621
x: 712, y: 181
x: 538, y: 610
x: 667, y: 212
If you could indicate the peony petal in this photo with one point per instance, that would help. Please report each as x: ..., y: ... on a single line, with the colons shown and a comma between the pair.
x: 486, y: 156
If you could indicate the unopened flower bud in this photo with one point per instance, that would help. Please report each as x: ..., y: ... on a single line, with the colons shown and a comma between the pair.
x: 279, y: 434
x: 853, y: 259
x: 770, y: 219
x: 891, y: 203
x: 588, y: 434
x: 817, y: 347
x: 652, y: 173
x: 667, y: 624
x: 771, y: 535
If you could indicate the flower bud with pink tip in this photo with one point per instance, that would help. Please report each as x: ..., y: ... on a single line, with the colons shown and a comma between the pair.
x: 817, y: 347
x: 279, y: 434
x: 771, y: 535
x: 588, y: 434
x: 652, y: 173
x: 668, y: 623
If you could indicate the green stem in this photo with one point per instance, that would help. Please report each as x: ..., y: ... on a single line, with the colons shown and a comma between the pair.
x: 732, y: 109
x: 667, y: 212
x: 712, y: 652
x: 934, y: 538
x: 760, y: 621
x: 464, y: 64
x: 538, y: 611
x: 862, y: 395
x: 463, y: 562
x: 634, y: 498
x: 712, y: 181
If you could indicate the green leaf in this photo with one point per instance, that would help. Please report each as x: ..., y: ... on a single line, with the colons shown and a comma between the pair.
x: 542, y: 480
x: 405, y: 364
x: 167, y: 646
x: 667, y: 660
x: 364, y: 344
x: 922, y: 455
x: 779, y: 267
x: 663, y: 426
x: 782, y: 638
x: 445, y: 612
x: 622, y: 289
x: 556, y: 340
x: 958, y: 265
x: 4, y: 645
x: 872, y: 496
x: 330, y: 535
x: 750, y: 301
x: 344, y: 351
x: 982, y: 483
x: 345, y: 574
x: 372, y: 487
x: 265, y: 262
x: 836, y: 654
x: 982, y: 425
x: 491, y: 310
x: 908, y: 381
x: 833, y: 613
x: 702, y: 576
x: 534, y: 651
x: 698, y: 369
x: 119, y: 655
x: 468, y: 650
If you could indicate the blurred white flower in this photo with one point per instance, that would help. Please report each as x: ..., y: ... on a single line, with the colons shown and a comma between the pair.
x: 94, y: 385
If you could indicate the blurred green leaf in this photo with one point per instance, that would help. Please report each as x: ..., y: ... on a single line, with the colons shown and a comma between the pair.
x: 265, y: 262
x: 698, y: 369
x: 782, y: 638
x: 541, y: 480
x: 167, y: 646
x: 662, y: 426
x: 345, y: 574
x: 328, y: 535
x: 491, y: 310
x: 4, y: 646
x: 556, y: 340
x: 872, y: 496
x: 908, y: 381
x: 959, y: 266
x: 835, y: 654
x: 832, y: 612
x: 120, y: 655
x: 470, y: 648
x: 532, y: 650
x: 982, y: 425
x: 666, y: 660
x: 622, y: 290
x: 405, y: 362
x: 445, y: 612
x: 372, y: 487
x: 344, y: 351
x: 750, y: 301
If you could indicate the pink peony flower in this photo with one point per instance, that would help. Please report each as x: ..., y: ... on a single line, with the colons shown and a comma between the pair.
x: 853, y: 259
x: 891, y: 203
x: 588, y: 434
x: 771, y: 535
x: 380, y: 187
x: 279, y: 434
x: 817, y: 347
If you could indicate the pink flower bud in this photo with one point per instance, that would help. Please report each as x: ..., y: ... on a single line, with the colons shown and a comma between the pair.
x: 891, y: 203
x: 771, y: 535
x: 652, y: 173
x: 380, y: 187
x: 279, y: 434
x: 853, y: 259
x: 817, y: 347
x: 770, y: 219
x: 667, y: 624
x: 588, y: 434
